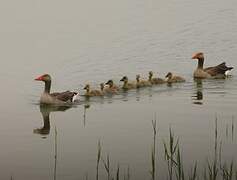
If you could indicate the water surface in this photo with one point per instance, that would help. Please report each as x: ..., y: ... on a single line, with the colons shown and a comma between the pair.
x: 80, y: 42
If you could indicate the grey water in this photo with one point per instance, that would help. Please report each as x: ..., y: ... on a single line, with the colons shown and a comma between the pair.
x: 79, y: 42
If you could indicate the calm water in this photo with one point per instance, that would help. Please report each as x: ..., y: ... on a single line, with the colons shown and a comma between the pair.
x: 80, y: 42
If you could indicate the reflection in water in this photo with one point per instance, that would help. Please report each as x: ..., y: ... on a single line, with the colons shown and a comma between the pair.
x: 198, y: 95
x: 45, y: 130
x: 86, y: 106
x: 124, y: 96
x: 169, y: 84
x: 231, y: 127
x: 45, y: 111
x: 138, y: 94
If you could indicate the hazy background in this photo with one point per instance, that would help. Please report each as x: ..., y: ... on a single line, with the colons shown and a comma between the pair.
x: 80, y: 42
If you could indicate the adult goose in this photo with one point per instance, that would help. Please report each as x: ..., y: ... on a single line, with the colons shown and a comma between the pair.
x: 60, y: 98
x: 219, y: 71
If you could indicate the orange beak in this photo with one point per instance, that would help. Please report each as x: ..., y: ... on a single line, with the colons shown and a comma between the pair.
x: 40, y: 78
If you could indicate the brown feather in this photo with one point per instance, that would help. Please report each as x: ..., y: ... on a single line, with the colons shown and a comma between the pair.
x: 64, y: 96
x: 219, y: 69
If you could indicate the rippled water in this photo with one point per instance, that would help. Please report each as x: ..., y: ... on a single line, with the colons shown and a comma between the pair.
x: 80, y: 42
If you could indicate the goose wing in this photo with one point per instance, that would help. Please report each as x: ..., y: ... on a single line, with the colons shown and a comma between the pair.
x: 219, y: 69
x: 64, y: 96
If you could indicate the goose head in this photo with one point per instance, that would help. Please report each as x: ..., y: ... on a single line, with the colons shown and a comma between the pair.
x: 44, y: 78
x: 198, y: 55
x: 110, y: 83
x: 169, y: 75
x: 124, y: 79
x: 150, y: 74
x: 87, y: 87
x: 138, y: 77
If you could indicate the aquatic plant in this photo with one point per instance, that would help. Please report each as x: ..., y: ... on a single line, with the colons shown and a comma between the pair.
x: 170, y: 150
x: 55, y: 153
x: 98, y: 160
x: 213, y: 169
x: 107, y: 166
x: 153, y: 151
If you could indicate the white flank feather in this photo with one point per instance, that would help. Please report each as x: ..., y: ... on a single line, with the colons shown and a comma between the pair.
x: 227, y: 72
x: 76, y: 98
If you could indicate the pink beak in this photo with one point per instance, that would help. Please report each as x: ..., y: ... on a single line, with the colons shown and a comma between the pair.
x: 40, y: 78
x: 194, y: 56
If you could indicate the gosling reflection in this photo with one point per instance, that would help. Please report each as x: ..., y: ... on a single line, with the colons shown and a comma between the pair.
x: 138, y: 94
x: 45, y: 111
x: 87, y: 106
x: 198, y: 95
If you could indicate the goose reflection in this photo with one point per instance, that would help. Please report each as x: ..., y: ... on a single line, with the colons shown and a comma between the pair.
x: 86, y: 106
x: 45, y: 111
x: 198, y: 94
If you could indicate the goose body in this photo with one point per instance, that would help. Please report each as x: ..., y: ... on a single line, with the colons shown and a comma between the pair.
x: 155, y: 80
x: 219, y: 71
x: 57, y: 97
x: 174, y: 79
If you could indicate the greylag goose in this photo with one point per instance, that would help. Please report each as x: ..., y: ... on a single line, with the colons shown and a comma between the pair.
x: 91, y: 93
x: 57, y: 97
x: 155, y: 80
x: 219, y: 71
x: 142, y: 83
x: 173, y: 79
x: 127, y: 85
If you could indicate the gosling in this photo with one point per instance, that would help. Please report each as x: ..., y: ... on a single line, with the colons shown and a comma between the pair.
x: 155, y: 80
x: 127, y: 85
x: 142, y: 83
x: 174, y: 79
x: 91, y: 93
x: 112, y: 89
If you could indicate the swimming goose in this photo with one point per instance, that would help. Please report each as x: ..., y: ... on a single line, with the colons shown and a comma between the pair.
x: 91, y: 93
x: 155, y: 80
x: 173, y: 79
x: 142, y: 83
x: 55, y: 98
x: 111, y: 84
x: 112, y: 89
x: 127, y: 85
x: 219, y: 71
